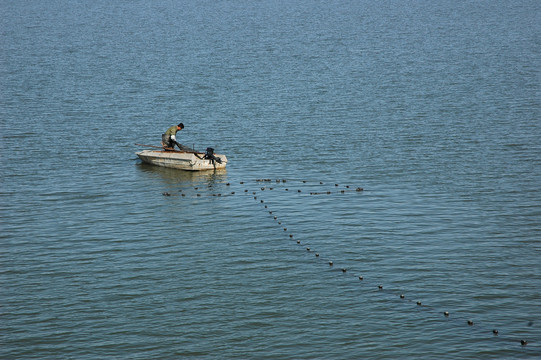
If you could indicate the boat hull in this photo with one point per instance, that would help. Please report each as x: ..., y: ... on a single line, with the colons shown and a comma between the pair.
x: 181, y: 160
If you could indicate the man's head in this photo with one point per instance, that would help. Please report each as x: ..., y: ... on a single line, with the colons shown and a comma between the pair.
x: 180, y: 126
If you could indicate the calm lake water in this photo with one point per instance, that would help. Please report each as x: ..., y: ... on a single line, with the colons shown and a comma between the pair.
x: 433, y: 108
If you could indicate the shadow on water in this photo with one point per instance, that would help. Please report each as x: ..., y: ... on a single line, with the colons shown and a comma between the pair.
x: 175, y: 177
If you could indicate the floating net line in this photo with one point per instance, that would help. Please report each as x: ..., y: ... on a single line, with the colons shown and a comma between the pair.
x: 261, y: 187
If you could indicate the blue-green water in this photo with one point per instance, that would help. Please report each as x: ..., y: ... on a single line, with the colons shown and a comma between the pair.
x: 434, y: 108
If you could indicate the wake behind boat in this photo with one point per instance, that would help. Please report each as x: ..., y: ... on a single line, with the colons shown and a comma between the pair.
x: 183, y: 160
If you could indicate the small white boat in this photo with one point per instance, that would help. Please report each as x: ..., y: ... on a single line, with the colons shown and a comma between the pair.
x: 184, y: 160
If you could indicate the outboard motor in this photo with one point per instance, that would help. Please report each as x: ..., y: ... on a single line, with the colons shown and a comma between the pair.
x: 209, y: 155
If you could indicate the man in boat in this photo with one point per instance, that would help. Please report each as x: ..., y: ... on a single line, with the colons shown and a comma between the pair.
x: 169, y: 139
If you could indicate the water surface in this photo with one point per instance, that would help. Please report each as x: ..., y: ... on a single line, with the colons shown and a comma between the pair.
x: 432, y: 108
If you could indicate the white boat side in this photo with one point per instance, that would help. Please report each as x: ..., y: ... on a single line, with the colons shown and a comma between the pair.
x: 181, y: 160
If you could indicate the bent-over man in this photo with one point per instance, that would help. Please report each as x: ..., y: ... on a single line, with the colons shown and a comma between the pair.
x: 169, y: 139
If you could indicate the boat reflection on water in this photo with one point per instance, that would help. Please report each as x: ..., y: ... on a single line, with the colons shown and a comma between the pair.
x: 176, y: 178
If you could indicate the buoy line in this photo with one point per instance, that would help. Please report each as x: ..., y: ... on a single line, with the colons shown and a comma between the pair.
x: 367, y: 284
x: 362, y: 278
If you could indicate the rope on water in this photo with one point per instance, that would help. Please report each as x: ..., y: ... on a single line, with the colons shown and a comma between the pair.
x: 394, y: 293
x: 364, y: 280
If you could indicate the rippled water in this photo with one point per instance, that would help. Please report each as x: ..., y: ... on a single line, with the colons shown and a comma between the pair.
x: 432, y: 108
